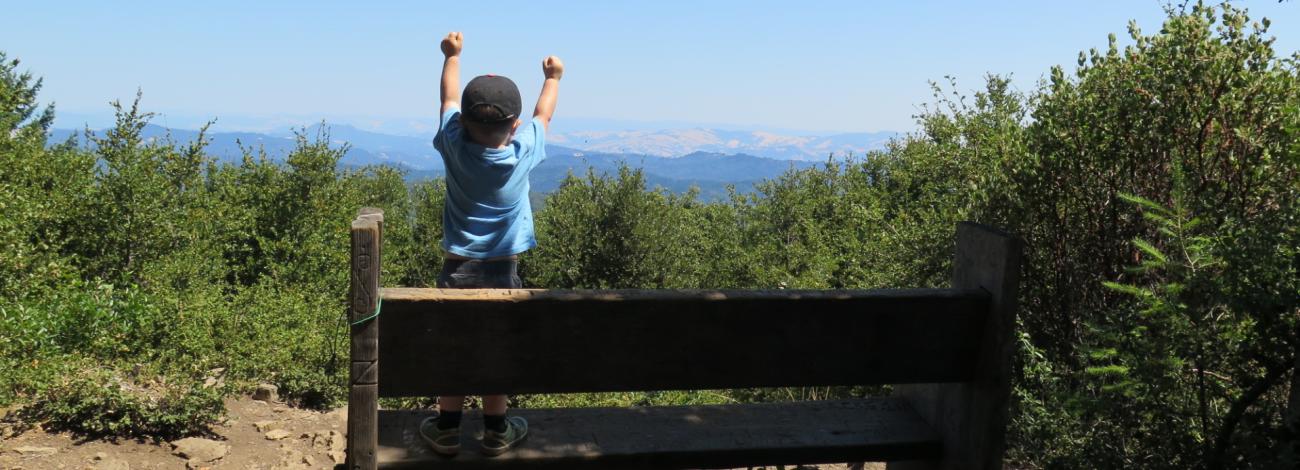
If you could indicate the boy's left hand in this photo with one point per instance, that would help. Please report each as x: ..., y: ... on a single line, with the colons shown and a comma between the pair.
x: 552, y: 67
x: 451, y: 44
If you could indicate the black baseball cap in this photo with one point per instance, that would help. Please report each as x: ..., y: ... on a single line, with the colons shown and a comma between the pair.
x: 491, y: 99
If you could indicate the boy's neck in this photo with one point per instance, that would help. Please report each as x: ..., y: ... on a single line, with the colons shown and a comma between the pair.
x: 492, y: 144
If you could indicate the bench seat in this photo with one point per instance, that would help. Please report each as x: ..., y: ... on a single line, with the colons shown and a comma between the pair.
x: 716, y: 436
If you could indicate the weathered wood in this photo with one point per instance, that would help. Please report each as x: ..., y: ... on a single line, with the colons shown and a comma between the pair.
x: 972, y: 416
x: 367, y: 349
x: 364, y: 296
x: 614, y: 295
x: 588, y: 341
x: 540, y: 341
x: 725, y: 436
x: 363, y: 429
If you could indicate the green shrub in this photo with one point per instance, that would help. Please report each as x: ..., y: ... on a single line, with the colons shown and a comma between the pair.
x: 98, y: 401
x: 150, y: 252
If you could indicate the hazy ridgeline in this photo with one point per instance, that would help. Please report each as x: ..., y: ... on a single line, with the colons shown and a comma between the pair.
x: 1157, y: 189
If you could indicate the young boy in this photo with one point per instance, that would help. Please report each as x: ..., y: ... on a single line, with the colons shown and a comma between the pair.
x: 487, y: 220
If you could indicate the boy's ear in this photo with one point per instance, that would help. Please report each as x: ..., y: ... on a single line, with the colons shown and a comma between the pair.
x: 516, y: 126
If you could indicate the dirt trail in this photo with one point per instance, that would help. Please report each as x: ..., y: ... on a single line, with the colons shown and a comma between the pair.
x: 297, y: 439
x: 256, y: 435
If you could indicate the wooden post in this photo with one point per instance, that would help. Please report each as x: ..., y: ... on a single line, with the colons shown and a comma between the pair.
x: 363, y: 396
x: 972, y: 417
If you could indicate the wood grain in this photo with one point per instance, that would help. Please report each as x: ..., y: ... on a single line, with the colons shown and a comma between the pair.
x: 972, y: 416
x: 448, y: 342
x: 614, y: 295
x: 954, y: 346
x: 363, y: 393
x: 725, y: 436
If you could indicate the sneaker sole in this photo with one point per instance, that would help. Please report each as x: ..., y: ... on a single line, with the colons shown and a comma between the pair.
x: 449, y: 451
x: 495, y: 451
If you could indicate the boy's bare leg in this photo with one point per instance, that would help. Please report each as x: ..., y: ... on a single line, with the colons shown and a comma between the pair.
x: 494, y: 405
x: 450, y: 403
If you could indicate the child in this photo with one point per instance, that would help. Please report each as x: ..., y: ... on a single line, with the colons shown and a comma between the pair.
x: 487, y: 220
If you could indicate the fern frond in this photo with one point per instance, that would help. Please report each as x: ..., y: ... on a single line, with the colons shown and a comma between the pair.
x: 1150, y: 250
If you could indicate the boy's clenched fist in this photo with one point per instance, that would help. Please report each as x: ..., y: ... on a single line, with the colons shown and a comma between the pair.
x: 552, y: 67
x: 451, y: 44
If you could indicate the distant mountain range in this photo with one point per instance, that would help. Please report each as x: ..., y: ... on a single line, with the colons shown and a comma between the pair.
x: 679, y: 142
x: 676, y: 160
x: 711, y: 173
x: 366, y: 148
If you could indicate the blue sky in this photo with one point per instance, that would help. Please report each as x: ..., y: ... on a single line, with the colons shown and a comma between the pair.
x: 832, y: 66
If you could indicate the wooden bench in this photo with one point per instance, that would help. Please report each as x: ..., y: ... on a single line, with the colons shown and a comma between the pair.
x: 948, y: 352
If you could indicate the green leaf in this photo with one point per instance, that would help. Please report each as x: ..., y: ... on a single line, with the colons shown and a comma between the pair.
x: 1150, y: 250
x: 1113, y: 370
x: 1144, y: 202
x: 1104, y: 353
x: 1127, y: 289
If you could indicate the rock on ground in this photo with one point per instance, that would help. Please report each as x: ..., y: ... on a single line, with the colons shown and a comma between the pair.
x: 277, y: 434
x: 266, y: 392
x: 36, y: 451
x: 199, y: 449
x: 337, y: 416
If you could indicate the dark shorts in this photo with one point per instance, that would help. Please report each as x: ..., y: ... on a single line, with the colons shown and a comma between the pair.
x: 479, y: 274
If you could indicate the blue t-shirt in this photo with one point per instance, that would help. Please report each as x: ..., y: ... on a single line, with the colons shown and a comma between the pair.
x: 487, y: 213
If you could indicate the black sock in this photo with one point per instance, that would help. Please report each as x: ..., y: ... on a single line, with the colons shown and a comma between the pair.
x: 494, y: 423
x: 448, y: 419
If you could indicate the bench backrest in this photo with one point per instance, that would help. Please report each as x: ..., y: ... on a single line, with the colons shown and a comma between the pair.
x: 546, y: 341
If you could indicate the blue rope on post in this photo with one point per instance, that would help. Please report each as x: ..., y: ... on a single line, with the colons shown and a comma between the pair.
x: 379, y: 305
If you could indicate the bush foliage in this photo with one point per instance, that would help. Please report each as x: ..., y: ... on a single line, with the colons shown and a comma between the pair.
x: 1156, y: 186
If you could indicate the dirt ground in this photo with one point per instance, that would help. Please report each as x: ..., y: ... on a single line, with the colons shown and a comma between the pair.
x: 288, y: 438
x: 256, y: 435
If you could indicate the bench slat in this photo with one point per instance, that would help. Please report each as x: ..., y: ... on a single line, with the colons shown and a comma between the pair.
x: 875, y: 429
x: 521, y: 341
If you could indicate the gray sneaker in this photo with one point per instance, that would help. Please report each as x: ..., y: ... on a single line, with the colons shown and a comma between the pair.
x: 444, y: 441
x: 497, y: 443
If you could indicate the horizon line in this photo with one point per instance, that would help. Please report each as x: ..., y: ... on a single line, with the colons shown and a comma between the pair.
x: 411, y: 126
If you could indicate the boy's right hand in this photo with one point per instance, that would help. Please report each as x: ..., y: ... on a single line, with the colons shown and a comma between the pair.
x: 452, y: 43
x: 552, y: 67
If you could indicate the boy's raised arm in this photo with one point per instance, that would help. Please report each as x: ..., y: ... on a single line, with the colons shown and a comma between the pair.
x: 451, y: 46
x: 553, y: 69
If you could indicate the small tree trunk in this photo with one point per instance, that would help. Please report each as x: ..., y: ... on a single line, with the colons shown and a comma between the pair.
x: 1293, y: 402
x: 1272, y: 377
x: 1208, y: 450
